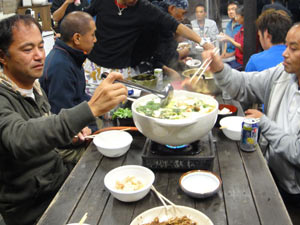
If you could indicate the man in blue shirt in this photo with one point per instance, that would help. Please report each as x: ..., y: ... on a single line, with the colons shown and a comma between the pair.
x: 231, y: 29
x: 272, y: 26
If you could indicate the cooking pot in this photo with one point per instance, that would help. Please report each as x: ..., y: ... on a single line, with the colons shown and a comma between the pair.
x: 204, y: 86
x: 179, y: 131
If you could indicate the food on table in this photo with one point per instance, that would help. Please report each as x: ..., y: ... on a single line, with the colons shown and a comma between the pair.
x: 183, y: 45
x: 130, y: 183
x: 122, y: 113
x: 173, y: 221
x: 224, y: 111
x: 179, y: 107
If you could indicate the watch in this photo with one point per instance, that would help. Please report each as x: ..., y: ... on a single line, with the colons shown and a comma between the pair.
x: 202, y: 42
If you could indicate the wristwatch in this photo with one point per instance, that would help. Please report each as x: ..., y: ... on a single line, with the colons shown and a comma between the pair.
x: 202, y: 42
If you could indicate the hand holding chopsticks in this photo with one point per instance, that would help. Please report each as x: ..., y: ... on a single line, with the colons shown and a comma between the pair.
x: 204, y: 66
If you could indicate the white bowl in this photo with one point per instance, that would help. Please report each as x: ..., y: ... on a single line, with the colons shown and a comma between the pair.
x: 140, y: 173
x: 232, y: 127
x: 175, y: 132
x: 193, y: 63
x: 39, y: 2
x: 113, y: 143
x: 163, y: 215
x: 200, y: 183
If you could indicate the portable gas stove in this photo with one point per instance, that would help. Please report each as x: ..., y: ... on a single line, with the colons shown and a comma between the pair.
x: 197, y: 155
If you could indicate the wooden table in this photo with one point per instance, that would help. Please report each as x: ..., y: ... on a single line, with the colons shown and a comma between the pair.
x: 248, y: 195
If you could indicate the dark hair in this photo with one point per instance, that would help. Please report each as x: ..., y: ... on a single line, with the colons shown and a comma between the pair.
x: 233, y: 2
x: 75, y: 22
x: 6, y: 29
x: 276, y: 22
x: 240, y: 11
x: 201, y: 5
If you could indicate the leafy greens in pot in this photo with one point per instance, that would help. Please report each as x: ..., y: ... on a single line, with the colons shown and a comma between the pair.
x: 180, y: 107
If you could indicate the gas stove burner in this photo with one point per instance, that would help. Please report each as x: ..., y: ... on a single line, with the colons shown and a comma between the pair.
x: 190, y: 149
x: 176, y: 147
x: 197, y: 155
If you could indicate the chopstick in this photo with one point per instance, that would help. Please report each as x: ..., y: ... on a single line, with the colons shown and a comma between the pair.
x: 83, y: 219
x: 162, y: 198
x: 204, y: 66
x: 94, y: 135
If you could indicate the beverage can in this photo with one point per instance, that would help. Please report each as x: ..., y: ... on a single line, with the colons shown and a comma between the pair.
x: 158, y: 72
x: 249, y: 134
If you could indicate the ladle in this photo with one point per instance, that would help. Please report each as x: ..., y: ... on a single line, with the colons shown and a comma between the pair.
x: 165, y: 95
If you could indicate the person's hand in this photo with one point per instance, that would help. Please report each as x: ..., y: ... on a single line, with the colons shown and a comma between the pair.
x: 108, y: 95
x: 81, y: 136
x: 224, y: 37
x: 253, y: 113
x: 208, y: 46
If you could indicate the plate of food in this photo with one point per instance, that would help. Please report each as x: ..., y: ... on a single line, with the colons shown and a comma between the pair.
x: 178, y: 215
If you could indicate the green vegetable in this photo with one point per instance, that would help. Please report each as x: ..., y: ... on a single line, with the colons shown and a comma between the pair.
x: 122, y: 113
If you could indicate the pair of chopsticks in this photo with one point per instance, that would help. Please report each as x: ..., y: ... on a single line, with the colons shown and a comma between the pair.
x: 162, y: 198
x: 204, y: 66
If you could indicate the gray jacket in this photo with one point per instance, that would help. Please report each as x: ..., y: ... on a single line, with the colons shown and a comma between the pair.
x: 210, y: 29
x: 29, y: 165
x: 278, y: 91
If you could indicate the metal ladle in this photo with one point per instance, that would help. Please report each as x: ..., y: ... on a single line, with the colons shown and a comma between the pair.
x: 165, y: 95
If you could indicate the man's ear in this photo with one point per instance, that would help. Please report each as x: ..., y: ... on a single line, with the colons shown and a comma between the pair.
x: 76, y: 38
x: 2, y: 57
x: 171, y: 9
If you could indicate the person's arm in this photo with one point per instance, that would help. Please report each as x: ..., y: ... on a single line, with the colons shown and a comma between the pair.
x: 174, y: 75
x: 60, y: 12
x: 231, y: 40
x: 26, y: 138
x: 191, y: 35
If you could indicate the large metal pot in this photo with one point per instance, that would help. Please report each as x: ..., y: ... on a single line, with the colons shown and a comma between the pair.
x: 175, y: 132
x: 204, y: 86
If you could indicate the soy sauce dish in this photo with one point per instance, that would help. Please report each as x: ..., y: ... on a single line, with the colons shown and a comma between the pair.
x: 200, y: 183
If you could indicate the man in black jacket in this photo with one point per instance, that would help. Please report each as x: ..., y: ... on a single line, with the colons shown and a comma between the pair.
x: 31, y: 170
x: 63, y: 78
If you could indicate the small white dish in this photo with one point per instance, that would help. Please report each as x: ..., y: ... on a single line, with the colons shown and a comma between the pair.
x: 193, y: 63
x: 113, y: 143
x: 200, y: 183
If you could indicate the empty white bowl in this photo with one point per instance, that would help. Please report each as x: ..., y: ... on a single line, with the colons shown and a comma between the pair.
x: 113, y: 143
x: 200, y: 183
x: 119, y: 174
x: 193, y: 63
x: 232, y: 127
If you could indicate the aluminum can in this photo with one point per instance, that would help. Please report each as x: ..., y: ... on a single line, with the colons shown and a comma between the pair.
x: 159, y: 74
x: 249, y: 134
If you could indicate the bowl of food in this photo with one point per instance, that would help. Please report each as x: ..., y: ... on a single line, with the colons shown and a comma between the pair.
x: 206, y: 84
x: 147, y: 80
x: 188, y: 117
x: 232, y: 127
x: 224, y: 111
x: 179, y: 215
x: 129, y: 183
x: 113, y: 143
x: 200, y: 183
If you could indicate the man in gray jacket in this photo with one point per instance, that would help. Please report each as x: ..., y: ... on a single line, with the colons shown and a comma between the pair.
x: 277, y: 88
x: 31, y: 169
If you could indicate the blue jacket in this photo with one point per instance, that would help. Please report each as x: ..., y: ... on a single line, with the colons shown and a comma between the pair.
x: 63, y: 79
x: 231, y: 32
x: 266, y: 59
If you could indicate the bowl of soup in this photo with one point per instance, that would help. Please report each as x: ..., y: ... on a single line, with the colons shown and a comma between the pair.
x: 206, y: 84
x: 188, y: 117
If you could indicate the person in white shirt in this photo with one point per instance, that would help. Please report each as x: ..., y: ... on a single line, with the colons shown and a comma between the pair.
x: 205, y: 28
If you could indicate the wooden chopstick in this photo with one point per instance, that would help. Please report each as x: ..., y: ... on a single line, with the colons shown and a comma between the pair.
x: 204, y: 66
x: 83, y: 219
